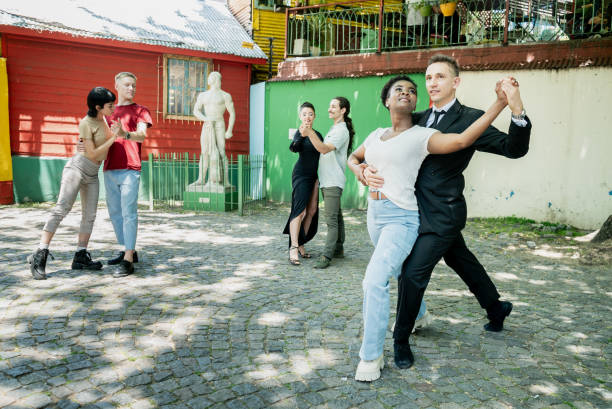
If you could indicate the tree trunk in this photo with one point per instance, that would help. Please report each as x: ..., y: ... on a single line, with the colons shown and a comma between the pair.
x: 605, y: 232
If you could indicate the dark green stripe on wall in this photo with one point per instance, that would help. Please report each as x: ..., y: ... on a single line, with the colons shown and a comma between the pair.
x: 38, y: 179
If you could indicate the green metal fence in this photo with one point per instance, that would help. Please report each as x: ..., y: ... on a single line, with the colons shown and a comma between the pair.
x: 174, y: 182
x: 348, y: 28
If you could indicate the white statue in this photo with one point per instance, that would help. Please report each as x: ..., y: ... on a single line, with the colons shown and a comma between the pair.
x: 210, y: 108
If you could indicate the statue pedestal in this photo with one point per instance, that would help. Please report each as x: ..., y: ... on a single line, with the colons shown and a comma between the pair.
x: 219, y: 199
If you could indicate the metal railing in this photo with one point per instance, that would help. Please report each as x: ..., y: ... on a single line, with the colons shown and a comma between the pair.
x: 174, y: 182
x: 349, y: 27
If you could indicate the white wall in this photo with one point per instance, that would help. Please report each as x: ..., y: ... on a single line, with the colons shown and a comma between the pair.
x: 566, y: 176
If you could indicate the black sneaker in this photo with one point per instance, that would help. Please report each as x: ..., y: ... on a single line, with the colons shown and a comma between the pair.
x: 38, y: 263
x: 117, y: 260
x: 82, y: 261
x: 124, y: 268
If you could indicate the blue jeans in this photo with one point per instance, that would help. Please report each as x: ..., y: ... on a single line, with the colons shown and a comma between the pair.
x: 393, y: 231
x: 122, y: 202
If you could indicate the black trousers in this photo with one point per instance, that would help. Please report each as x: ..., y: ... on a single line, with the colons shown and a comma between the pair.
x: 428, y: 249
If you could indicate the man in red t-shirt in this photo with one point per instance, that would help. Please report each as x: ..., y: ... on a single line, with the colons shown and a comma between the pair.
x: 122, y: 170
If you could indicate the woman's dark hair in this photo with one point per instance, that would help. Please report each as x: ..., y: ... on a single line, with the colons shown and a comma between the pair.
x: 344, y: 103
x: 98, y: 97
x: 384, y: 94
x: 307, y: 105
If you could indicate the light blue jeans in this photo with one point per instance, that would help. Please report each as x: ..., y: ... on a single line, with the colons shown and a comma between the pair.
x: 122, y: 202
x: 393, y: 231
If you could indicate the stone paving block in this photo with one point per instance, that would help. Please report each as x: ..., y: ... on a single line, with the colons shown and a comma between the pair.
x: 111, y: 388
x: 183, y: 393
x: 199, y: 403
x: 36, y: 400
x: 142, y: 404
x: 67, y: 404
x: 18, y: 371
x: 253, y: 402
x: 88, y: 396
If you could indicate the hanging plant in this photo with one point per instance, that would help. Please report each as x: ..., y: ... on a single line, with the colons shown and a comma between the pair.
x: 448, y: 9
x: 423, y: 7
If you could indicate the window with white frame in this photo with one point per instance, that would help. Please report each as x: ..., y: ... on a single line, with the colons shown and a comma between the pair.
x: 184, y: 79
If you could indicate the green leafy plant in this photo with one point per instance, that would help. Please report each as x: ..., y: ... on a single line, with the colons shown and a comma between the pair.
x: 318, y: 28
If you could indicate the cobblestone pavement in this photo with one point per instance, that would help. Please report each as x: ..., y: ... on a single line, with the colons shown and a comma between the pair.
x: 216, y: 317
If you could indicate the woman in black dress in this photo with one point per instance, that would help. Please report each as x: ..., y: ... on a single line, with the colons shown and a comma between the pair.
x: 304, y: 217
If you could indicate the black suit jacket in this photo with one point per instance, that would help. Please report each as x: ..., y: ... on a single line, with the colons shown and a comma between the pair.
x: 440, y: 183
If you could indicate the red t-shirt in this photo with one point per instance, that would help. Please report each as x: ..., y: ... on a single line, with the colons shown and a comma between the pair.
x: 125, y: 154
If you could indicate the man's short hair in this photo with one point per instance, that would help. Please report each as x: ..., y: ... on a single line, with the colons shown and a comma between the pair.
x: 125, y: 74
x: 447, y: 59
x: 384, y: 93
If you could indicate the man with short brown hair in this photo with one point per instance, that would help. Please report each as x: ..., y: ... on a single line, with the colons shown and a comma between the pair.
x: 122, y: 170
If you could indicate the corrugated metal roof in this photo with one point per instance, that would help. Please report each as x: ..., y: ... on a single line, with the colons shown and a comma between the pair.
x: 205, y: 25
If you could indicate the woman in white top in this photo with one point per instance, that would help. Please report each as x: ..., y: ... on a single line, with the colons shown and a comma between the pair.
x: 334, y: 150
x: 393, y: 218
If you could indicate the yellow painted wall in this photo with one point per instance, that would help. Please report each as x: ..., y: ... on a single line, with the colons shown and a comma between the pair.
x: 6, y: 169
x: 268, y: 23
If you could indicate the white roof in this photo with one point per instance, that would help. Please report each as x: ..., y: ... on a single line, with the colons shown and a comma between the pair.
x: 205, y: 25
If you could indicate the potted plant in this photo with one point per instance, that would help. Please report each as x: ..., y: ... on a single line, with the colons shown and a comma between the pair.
x: 424, y: 7
x: 318, y: 27
x: 448, y: 8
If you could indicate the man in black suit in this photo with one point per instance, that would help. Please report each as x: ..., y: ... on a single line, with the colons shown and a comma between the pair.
x: 442, y: 207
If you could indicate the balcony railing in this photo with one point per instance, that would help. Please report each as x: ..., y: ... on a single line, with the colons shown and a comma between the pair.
x: 354, y: 27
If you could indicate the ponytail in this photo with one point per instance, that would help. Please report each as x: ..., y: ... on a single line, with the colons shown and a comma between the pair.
x: 344, y: 103
x: 349, y: 126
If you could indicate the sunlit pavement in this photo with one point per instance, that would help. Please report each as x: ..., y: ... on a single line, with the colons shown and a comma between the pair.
x: 216, y: 317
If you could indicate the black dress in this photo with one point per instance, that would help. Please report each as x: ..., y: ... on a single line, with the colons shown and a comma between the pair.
x: 303, y: 180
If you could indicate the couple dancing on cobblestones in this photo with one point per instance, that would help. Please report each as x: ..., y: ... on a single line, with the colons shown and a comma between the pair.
x: 321, y: 163
x: 119, y: 146
x: 416, y: 208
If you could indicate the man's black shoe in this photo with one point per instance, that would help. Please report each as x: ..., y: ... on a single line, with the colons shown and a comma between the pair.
x: 117, y: 260
x: 403, y: 355
x: 124, y: 268
x: 82, y: 261
x: 496, y: 319
x: 38, y: 263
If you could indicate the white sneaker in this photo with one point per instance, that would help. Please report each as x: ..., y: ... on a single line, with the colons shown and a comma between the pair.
x: 423, y: 322
x: 368, y: 371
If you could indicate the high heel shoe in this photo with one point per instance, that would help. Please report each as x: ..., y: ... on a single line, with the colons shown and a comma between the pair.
x: 294, y: 261
x: 303, y: 253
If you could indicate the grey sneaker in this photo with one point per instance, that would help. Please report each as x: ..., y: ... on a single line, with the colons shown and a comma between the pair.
x: 323, y: 262
x: 421, y: 323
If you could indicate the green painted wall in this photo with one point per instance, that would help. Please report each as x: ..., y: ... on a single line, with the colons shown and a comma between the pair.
x: 282, y: 102
x: 37, y: 179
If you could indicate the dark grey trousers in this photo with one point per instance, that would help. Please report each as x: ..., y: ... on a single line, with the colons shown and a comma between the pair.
x: 334, y: 220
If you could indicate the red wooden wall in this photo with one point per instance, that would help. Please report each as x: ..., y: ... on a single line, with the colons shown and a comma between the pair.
x: 49, y: 82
